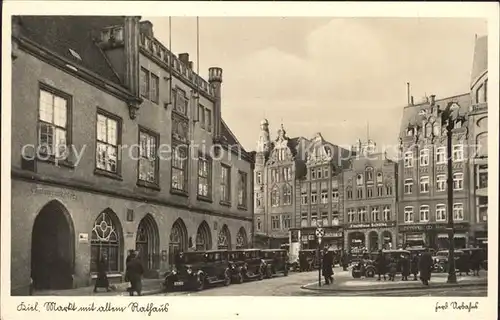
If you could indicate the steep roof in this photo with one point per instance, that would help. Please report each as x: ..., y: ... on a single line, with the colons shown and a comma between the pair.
x: 62, y: 33
x: 480, y: 61
x: 229, y: 136
x: 411, y: 113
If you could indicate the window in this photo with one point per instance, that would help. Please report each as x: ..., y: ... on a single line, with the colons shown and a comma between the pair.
x: 409, y: 132
x: 258, y: 177
x: 314, y: 219
x: 482, y: 202
x: 369, y: 174
x: 369, y: 193
x: 325, y: 172
x: 144, y: 78
x: 482, y: 177
x: 351, y: 215
x: 482, y: 145
x: 458, y: 181
x: 225, y: 184
x: 319, y: 173
x: 259, y: 224
x: 314, y: 197
x: 380, y: 191
x: 441, y: 155
x: 313, y: 174
x: 359, y: 180
x: 201, y: 116
x: 362, y: 215
x: 155, y: 92
x: 208, y: 116
x: 424, y: 214
x: 335, y: 196
x: 275, y: 222
x: 458, y: 211
x: 287, y: 221
x: 53, y: 124
x: 204, y: 176
x: 107, y: 143
x: 388, y: 190
x: 275, y: 197
x: 408, y: 214
x: 441, y: 183
x: 387, y: 213
x: 440, y: 212
x: 303, y: 219
x: 424, y: 157
x: 408, y: 186
x: 379, y: 178
x: 324, y: 218
x: 180, y: 101
x: 360, y: 193
x: 458, y: 153
x: 148, y: 159
x: 242, y: 189
x: 275, y: 177
x: 179, y: 168
x: 349, y: 193
x: 258, y: 199
x: 375, y: 215
x: 324, y: 192
x: 303, y: 193
x: 287, y: 174
x: 287, y: 194
x: 408, y: 160
x: 105, y: 241
x: 424, y: 184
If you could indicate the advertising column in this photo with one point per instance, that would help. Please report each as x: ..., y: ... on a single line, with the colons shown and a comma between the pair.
x: 294, y: 245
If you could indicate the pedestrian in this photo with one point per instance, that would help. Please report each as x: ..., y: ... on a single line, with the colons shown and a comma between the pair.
x: 327, y: 266
x: 134, y: 274
x: 393, y: 267
x: 425, y: 266
x: 345, y: 260
x: 477, y: 259
x: 414, y: 266
x: 463, y: 264
x: 405, y: 267
x: 102, y: 277
x: 381, y: 265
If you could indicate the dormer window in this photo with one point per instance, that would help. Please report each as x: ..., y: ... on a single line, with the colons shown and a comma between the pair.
x: 75, y: 54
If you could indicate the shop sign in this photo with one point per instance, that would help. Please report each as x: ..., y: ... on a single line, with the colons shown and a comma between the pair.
x: 456, y: 227
x: 428, y: 227
x: 372, y: 225
x: 333, y: 234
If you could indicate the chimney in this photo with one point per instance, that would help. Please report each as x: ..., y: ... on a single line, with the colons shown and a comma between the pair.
x: 408, y: 93
x: 147, y: 28
x: 411, y: 101
x: 131, y: 36
x: 215, y: 80
x: 191, y: 65
x: 433, y: 99
x: 184, y: 57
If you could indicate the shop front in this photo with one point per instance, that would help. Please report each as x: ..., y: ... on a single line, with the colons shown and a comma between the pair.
x: 370, y: 237
x: 434, y: 235
x: 333, y: 238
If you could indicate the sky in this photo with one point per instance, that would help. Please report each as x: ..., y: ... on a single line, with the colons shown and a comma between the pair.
x: 343, y: 77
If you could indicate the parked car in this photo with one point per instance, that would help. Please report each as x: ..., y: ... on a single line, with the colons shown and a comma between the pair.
x: 308, y: 260
x: 196, y: 270
x: 441, y: 260
x: 246, y: 264
x: 363, y: 268
x: 367, y: 265
x: 275, y: 261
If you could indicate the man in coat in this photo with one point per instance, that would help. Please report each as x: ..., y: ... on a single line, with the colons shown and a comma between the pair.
x: 425, y: 266
x: 414, y: 266
x: 327, y: 266
x: 102, y: 277
x: 134, y: 274
x: 381, y: 265
x: 405, y: 267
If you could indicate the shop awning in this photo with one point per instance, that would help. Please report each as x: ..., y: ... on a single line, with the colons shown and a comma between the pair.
x: 456, y: 235
x: 414, y: 237
x: 482, y: 239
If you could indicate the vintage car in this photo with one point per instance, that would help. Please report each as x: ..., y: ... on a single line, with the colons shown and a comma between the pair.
x: 196, y: 270
x: 441, y: 260
x: 418, y: 250
x: 363, y: 267
x: 246, y: 264
x: 308, y: 260
x: 275, y: 261
x: 367, y: 266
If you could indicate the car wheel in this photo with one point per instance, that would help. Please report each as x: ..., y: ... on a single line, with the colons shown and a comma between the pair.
x: 227, y: 278
x: 370, y: 273
x: 269, y: 273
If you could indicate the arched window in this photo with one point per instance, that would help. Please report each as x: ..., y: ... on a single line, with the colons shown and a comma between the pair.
x: 224, y: 238
x: 275, y: 197
x: 359, y: 180
x: 241, y: 239
x: 409, y: 132
x: 482, y: 144
x: 428, y: 130
x: 436, y: 129
x: 349, y: 192
x: 379, y: 177
x: 369, y: 174
x: 203, y: 237
x: 178, y: 240
x: 107, y: 242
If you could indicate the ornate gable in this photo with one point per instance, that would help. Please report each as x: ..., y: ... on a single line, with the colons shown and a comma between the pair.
x: 319, y: 152
x: 281, y: 151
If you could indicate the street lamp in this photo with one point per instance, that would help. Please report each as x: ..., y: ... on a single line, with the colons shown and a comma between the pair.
x: 448, y: 118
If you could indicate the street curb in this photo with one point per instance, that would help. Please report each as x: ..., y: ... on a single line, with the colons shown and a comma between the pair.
x: 438, y: 286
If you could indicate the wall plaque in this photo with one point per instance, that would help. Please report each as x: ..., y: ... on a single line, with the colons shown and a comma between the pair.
x: 83, y: 237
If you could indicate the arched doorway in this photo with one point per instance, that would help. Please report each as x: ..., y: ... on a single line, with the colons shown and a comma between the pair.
x: 107, y: 242
x: 387, y: 240
x: 356, y: 242
x: 241, y: 239
x: 224, y: 238
x: 52, y: 248
x: 373, y: 236
x: 203, y: 237
x: 178, y: 240
x: 147, y: 242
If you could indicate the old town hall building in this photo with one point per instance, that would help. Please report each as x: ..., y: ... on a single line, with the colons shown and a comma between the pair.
x: 107, y: 128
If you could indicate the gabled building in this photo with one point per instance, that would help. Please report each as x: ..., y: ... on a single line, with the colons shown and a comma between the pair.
x: 119, y: 145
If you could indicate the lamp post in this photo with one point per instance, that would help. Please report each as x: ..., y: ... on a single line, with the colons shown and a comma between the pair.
x: 448, y: 118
